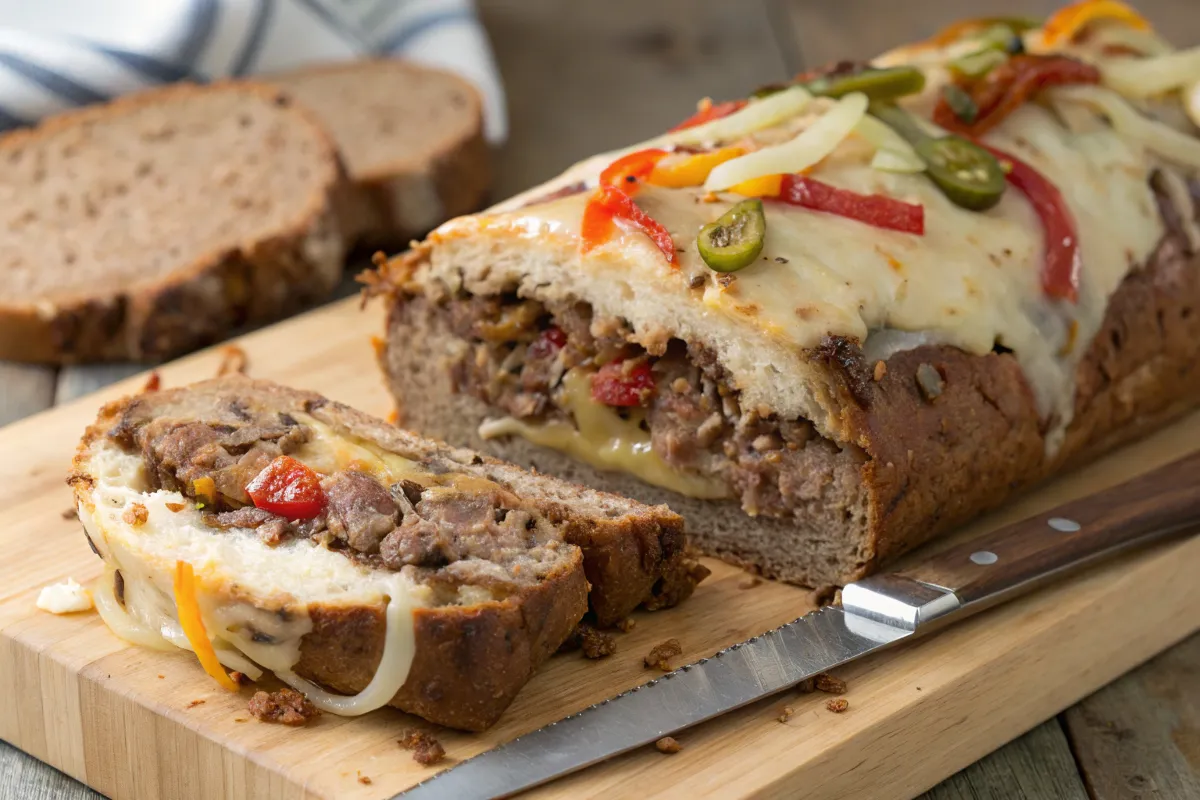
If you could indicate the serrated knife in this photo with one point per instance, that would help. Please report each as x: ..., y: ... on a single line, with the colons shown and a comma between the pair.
x: 876, y: 612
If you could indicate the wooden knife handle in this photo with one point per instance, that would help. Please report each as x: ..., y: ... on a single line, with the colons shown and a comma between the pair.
x: 990, y: 567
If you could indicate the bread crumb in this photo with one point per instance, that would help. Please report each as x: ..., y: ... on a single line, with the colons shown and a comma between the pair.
x: 233, y: 360
x: 669, y: 745
x: 837, y: 706
x: 287, y: 707
x: 880, y: 370
x: 195, y: 703
x: 750, y: 583
x: 175, y: 507
x: 66, y: 597
x: 240, y: 678
x: 626, y: 625
x: 596, y: 644
x: 161, y: 677
x: 70, y: 513
x: 787, y: 713
x: 829, y: 684
x: 241, y: 719
x: 364, y: 780
x: 662, y: 653
x: 426, y: 749
x: 153, y: 383
x: 136, y: 515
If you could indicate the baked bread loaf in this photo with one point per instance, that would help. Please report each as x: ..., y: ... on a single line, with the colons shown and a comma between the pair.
x: 974, y: 262
x: 411, y: 138
x: 264, y: 527
x: 156, y: 223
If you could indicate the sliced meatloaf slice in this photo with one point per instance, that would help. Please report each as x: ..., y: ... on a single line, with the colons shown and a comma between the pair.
x: 349, y: 556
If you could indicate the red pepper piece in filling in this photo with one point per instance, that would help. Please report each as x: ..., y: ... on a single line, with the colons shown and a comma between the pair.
x: 629, y: 171
x: 1007, y: 87
x: 287, y: 488
x: 609, y: 204
x: 619, y: 383
x: 1061, y: 262
x: 548, y: 343
x: 872, y: 209
x: 710, y: 112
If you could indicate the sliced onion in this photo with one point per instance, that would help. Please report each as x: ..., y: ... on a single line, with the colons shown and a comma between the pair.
x: 1146, y: 77
x: 892, y: 152
x: 1155, y: 136
x: 757, y: 114
x: 1191, y: 102
x: 807, y: 148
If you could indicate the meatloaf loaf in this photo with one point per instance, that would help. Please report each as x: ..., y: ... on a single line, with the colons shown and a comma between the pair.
x: 263, y: 527
x: 836, y: 319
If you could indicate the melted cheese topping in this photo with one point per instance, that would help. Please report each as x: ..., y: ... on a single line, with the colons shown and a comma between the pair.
x: 601, y: 438
x: 972, y: 281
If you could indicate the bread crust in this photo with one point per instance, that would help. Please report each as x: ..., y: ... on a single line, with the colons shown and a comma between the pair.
x: 930, y: 463
x: 200, y: 302
x: 378, y: 210
x: 470, y: 661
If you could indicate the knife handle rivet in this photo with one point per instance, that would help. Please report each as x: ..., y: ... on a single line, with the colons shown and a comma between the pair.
x: 984, y: 557
x: 1063, y: 524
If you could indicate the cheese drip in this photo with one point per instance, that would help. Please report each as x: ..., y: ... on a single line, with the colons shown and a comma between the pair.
x: 601, y: 438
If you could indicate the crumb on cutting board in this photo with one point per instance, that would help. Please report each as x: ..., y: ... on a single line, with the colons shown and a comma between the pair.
x: 596, y: 644
x: 240, y: 678
x: 70, y: 513
x: 669, y: 745
x: 787, y: 713
x: 626, y: 625
x: 750, y: 582
x: 662, y: 653
x: 364, y: 780
x: 829, y: 684
x: 286, y: 707
x: 837, y: 705
x: 66, y: 597
x: 233, y: 360
x: 426, y: 749
x: 195, y: 703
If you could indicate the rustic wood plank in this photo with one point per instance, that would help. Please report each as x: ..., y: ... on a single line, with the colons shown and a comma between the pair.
x: 24, y: 389
x: 1039, y: 764
x: 1139, y: 737
x: 25, y: 778
x: 603, y: 75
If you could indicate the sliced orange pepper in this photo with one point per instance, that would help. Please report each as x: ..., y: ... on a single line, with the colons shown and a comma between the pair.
x: 205, y: 490
x: 691, y: 170
x: 193, y: 625
x: 1067, y: 22
x: 629, y: 171
x: 766, y: 186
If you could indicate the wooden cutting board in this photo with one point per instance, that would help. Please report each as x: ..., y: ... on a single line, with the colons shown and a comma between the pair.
x: 141, y: 724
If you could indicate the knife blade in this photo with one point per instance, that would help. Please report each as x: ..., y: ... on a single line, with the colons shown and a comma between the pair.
x: 876, y: 613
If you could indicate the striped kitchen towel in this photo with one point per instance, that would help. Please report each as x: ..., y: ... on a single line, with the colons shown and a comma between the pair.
x: 57, y: 54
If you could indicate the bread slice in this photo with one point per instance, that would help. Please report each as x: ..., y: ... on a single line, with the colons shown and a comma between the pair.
x: 411, y: 138
x: 432, y: 578
x: 156, y: 223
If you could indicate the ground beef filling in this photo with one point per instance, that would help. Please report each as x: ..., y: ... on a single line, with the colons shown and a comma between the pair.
x: 520, y: 351
x: 435, y: 528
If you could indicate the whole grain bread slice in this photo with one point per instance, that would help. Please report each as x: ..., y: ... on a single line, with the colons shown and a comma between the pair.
x: 155, y: 223
x: 315, y: 605
x: 411, y: 138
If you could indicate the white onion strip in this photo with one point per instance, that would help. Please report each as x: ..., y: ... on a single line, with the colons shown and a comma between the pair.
x: 807, y: 148
x: 892, y: 152
x: 1155, y: 136
x: 754, y: 116
x: 1147, y: 77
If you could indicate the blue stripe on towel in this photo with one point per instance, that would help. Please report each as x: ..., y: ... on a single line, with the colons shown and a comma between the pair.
x: 418, y: 27
x: 64, y: 87
x: 202, y: 18
x: 9, y: 120
x: 146, y: 66
x: 252, y: 45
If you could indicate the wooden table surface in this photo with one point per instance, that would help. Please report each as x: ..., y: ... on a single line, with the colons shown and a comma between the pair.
x: 584, y: 77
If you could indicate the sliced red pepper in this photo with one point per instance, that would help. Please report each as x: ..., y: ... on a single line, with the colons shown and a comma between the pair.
x: 873, y: 209
x: 547, y: 343
x: 1008, y: 86
x: 1061, y: 263
x: 287, y: 488
x: 629, y: 171
x: 609, y: 204
x: 619, y: 384
x: 709, y: 112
